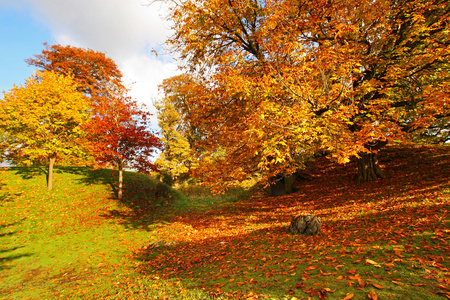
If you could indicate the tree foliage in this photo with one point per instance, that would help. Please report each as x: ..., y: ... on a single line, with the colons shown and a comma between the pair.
x: 285, y: 79
x: 118, y: 131
x: 178, y: 135
x: 95, y: 73
x: 121, y: 137
x: 43, y: 120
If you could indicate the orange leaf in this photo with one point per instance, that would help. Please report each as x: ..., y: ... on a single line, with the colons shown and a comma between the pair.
x: 378, y: 286
x: 373, y: 296
x: 349, y: 296
x: 418, y: 284
x: 361, y: 283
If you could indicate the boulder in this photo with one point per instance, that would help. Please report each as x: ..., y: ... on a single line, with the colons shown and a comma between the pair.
x: 306, y: 225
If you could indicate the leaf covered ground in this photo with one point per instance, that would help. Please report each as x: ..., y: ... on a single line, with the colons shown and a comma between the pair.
x: 387, y: 239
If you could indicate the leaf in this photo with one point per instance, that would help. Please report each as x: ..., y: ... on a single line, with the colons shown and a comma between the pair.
x: 373, y: 296
x: 375, y: 264
x: 361, y: 283
x: 378, y: 286
x: 349, y: 296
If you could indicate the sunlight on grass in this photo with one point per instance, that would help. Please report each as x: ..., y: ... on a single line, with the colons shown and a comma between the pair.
x: 389, y: 238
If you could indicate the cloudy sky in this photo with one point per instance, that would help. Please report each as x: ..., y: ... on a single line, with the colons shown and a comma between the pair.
x: 125, y: 30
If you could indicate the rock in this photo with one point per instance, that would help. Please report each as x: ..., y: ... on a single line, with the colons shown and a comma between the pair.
x: 306, y: 225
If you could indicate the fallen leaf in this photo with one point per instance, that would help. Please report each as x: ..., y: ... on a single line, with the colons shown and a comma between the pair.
x: 352, y: 271
x: 418, y: 284
x: 378, y: 286
x: 373, y: 296
x: 442, y: 287
x: 349, y: 296
x: 361, y: 283
x: 375, y: 264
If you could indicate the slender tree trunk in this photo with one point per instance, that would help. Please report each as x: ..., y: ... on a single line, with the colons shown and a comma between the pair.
x: 368, y: 168
x: 120, y: 188
x: 50, y: 172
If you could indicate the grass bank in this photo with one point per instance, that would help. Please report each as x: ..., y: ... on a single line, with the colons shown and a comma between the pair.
x: 387, y: 239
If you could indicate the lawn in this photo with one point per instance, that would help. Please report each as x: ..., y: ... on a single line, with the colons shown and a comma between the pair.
x: 387, y: 239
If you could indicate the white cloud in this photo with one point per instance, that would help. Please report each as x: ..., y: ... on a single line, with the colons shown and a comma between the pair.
x: 125, y: 30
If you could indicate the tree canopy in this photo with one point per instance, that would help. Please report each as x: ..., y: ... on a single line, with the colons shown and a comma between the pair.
x: 95, y: 73
x: 286, y: 79
x: 43, y: 120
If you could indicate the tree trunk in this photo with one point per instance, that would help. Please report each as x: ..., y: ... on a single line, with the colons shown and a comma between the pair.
x: 50, y: 172
x: 368, y: 168
x: 120, y: 188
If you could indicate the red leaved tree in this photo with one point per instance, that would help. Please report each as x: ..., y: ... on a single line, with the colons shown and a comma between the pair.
x: 121, y: 137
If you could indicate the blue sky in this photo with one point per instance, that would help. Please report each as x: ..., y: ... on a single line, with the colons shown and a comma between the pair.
x: 21, y: 37
x: 125, y: 30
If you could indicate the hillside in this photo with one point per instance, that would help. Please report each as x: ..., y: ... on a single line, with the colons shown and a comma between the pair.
x: 387, y: 239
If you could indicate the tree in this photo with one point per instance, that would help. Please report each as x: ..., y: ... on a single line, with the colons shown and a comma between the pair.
x: 95, y: 74
x: 43, y: 121
x: 175, y: 159
x: 120, y: 137
x: 178, y: 135
x: 117, y: 129
x: 286, y: 79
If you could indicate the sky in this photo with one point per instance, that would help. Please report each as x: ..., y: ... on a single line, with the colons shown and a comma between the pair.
x: 125, y: 30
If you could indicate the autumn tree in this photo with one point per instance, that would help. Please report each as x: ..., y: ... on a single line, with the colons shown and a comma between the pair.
x: 43, y: 121
x: 287, y: 78
x: 95, y: 74
x: 118, y: 131
x: 178, y: 135
x: 121, y: 137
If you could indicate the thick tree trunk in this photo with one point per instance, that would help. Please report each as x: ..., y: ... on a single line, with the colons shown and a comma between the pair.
x: 368, y: 168
x: 50, y: 172
x: 120, y: 188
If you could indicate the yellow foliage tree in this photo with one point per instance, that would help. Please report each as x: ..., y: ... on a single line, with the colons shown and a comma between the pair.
x: 43, y: 120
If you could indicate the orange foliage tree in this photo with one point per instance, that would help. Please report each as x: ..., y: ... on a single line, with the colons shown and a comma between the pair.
x: 285, y: 79
x: 95, y: 74
x: 43, y: 120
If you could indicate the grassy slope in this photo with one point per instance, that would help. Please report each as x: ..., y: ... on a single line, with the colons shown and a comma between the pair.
x: 389, y: 238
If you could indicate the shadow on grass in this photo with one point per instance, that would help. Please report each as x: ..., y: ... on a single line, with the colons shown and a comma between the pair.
x: 146, y: 199
x: 244, y: 245
x: 30, y: 172
x: 5, y: 253
x: 5, y: 261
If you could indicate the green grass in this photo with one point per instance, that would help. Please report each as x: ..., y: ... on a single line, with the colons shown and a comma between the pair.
x: 75, y: 241
x: 389, y: 237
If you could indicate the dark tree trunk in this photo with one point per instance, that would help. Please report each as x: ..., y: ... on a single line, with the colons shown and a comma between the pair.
x: 368, y: 168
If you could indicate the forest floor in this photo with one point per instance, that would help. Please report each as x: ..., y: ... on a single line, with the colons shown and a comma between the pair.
x: 387, y: 239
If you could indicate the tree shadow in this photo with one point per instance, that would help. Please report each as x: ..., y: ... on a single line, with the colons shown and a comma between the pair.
x: 147, y: 200
x: 6, y: 255
x: 249, y: 239
x: 30, y: 172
